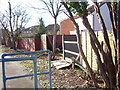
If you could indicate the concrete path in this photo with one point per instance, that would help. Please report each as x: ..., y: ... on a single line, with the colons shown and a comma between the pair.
x: 16, y: 69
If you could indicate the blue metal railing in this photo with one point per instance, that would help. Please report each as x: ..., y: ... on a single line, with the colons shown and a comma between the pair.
x: 25, y: 58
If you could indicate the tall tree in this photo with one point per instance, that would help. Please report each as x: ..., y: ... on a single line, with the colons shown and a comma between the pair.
x: 54, y: 8
x: 11, y: 26
x: 109, y: 54
x: 118, y: 48
x: 113, y: 13
x: 17, y: 18
x: 80, y: 9
x: 4, y: 27
x: 79, y: 43
x: 41, y: 29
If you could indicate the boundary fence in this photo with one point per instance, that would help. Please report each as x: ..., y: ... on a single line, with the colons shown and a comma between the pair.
x: 70, y: 48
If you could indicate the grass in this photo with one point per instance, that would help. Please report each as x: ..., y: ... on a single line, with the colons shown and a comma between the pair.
x: 60, y: 53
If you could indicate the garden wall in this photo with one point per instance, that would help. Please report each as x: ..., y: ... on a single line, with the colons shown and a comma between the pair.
x: 31, y: 44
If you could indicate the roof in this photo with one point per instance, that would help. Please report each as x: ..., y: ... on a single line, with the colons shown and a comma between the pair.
x: 51, y: 27
x: 32, y: 28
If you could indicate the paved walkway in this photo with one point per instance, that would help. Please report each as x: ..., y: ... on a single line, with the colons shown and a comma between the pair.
x: 15, y: 69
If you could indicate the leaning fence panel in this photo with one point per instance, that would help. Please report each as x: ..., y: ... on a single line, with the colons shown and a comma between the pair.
x: 70, y: 48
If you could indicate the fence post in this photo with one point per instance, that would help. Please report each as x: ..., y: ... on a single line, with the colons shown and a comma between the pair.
x: 44, y: 42
x: 63, y: 47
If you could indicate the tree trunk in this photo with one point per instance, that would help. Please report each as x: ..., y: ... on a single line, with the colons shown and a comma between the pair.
x: 11, y: 28
x: 118, y: 48
x: 84, y: 57
x: 54, y: 38
x: 114, y: 30
x: 103, y: 27
x: 100, y: 65
x: 106, y: 39
x: 106, y: 58
x: 80, y: 46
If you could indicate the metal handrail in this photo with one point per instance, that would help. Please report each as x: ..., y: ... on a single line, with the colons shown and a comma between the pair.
x: 25, y: 58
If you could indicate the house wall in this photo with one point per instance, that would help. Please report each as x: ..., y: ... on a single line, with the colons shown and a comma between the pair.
x: 93, y: 20
x: 81, y: 26
x: 106, y: 17
x: 66, y: 26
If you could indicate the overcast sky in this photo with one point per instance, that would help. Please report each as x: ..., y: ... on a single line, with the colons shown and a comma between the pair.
x: 35, y: 14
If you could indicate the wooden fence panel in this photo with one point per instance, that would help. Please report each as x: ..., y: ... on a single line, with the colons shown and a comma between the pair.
x: 31, y: 44
x: 70, y: 46
x: 47, y: 40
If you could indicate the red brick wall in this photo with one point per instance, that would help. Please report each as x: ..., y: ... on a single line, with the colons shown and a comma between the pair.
x: 31, y: 44
x: 66, y: 26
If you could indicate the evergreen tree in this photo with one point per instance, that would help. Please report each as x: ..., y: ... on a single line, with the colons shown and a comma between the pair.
x: 41, y: 29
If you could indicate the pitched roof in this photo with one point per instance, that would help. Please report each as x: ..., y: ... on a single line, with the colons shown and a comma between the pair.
x: 51, y: 27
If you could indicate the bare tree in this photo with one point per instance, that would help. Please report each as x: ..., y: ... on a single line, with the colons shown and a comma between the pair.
x: 13, y: 22
x: 54, y: 8
x: 5, y: 31
x: 18, y: 18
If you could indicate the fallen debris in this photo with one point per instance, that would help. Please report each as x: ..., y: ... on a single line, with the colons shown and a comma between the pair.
x: 59, y: 64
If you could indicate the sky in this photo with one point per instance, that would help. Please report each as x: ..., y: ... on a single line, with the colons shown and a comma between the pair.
x: 33, y: 13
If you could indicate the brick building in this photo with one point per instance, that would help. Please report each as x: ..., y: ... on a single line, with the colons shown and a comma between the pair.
x: 66, y: 26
